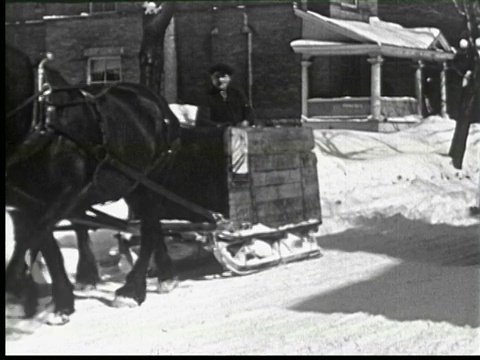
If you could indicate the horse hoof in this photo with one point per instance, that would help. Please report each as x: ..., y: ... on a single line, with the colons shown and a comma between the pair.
x: 122, y: 302
x: 57, y: 319
x: 166, y: 286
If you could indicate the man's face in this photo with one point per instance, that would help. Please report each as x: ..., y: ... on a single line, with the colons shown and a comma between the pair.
x: 221, y: 80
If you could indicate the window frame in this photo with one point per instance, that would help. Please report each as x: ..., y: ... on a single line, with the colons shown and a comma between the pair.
x: 104, y: 58
x: 346, y: 4
x: 103, y: 11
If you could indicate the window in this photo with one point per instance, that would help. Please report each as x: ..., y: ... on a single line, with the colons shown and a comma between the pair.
x: 349, y: 3
x: 104, y: 70
x: 100, y: 7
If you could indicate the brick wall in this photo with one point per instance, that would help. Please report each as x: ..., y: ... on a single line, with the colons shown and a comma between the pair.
x: 28, y: 38
x: 70, y: 40
x: 193, y: 53
x: 275, y: 68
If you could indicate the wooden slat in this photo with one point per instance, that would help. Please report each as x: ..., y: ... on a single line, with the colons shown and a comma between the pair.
x: 309, y: 173
x: 282, y: 184
x: 310, y: 187
x: 278, y: 206
x: 308, y: 160
x: 311, y: 204
x: 281, y: 140
x: 276, y: 177
x: 264, y: 162
x: 242, y: 212
x: 270, y: 135
x: 240, y: 196
x: 274, y: 192
x: 261, y: 146
x: 282, y: 219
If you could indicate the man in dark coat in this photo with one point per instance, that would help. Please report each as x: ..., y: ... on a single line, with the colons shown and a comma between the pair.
x: 224, y: 105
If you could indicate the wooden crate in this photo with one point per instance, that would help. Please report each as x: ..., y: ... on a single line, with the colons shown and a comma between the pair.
x: 280, y: 185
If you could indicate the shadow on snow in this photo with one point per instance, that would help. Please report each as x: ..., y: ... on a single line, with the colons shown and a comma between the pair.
x: 438, y: 281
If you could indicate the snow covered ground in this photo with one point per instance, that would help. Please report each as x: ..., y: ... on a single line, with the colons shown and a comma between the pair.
x: 400, y: 271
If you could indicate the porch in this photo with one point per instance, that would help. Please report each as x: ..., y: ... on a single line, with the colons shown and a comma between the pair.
x: 376, y: 40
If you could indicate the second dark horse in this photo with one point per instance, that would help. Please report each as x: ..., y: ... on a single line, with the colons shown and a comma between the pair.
x: 67, y: 154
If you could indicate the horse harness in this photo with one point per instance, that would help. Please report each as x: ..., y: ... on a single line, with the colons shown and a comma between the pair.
x: 43, y: 130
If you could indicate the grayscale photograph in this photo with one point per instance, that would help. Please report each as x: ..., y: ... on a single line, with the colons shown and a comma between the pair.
x: 269, y: 177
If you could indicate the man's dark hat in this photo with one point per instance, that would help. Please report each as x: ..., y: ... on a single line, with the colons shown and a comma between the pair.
x: 221, y: 68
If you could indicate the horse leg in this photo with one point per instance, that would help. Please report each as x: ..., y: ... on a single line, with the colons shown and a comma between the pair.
x: 167, y: 281
x: 133, y: 292
x: 42, y: 232
x: 87, y: 270
x: 19, y: 281
x: 16, y: 270
x: 62, y: 288
x: 151, y: 242
x: 18, y: 278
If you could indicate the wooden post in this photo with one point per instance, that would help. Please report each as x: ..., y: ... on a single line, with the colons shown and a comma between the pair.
x: 170, y: 65
x: 443, y: 91
x: 376, y: 87
x: 305, y: 65
x: 419, y: 86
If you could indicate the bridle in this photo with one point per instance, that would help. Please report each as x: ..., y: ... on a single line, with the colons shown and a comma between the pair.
x: 43, y: 129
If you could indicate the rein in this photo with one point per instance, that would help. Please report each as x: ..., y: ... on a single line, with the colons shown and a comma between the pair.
x: 43, y: 130
x: 50, y: 130
x: 25, y: 103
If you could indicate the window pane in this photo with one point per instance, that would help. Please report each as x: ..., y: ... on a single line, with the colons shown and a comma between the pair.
x: 113, y: 70
x: 97, y: 68
x: 105, y: 70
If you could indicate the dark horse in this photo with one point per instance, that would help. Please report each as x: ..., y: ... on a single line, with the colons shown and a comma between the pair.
x: 70, y: 151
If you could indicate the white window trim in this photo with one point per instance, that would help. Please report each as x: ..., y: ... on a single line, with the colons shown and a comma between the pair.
x: 349, y: 5
x: 89, y: 69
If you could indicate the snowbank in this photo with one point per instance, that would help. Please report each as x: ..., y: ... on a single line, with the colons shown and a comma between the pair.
x: 363, y: 174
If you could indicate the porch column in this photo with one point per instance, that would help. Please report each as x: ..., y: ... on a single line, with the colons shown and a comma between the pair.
x: 305, y: 65
x: 376, y: 87
x: 419, y: 86
x: 443, y: 91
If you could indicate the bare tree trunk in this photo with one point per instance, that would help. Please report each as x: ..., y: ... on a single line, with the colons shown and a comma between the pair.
x: 469, y: 98
x: 155, y: 24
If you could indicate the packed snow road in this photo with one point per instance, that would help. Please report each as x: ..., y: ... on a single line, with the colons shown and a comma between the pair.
x: 400, y: 271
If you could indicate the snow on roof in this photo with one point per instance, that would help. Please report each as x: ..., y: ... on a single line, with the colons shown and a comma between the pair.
x: 379, y: 32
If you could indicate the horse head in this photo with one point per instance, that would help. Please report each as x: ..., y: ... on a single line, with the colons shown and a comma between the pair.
x: 99, y: 145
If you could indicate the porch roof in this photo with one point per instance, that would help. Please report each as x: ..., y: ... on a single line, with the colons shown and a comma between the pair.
x: 324, y: 36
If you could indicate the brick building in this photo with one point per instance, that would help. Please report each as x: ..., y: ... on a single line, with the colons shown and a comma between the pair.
x: 81, y: 36
x: 101, y: 41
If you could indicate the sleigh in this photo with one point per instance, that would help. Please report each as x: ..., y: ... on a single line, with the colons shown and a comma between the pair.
x: 260, y: 199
